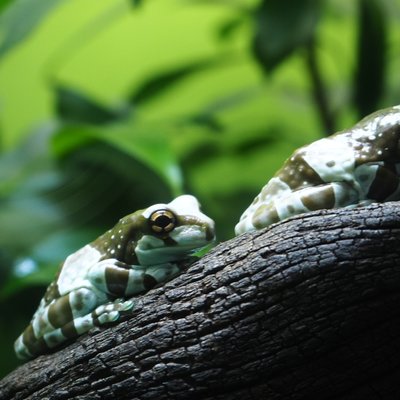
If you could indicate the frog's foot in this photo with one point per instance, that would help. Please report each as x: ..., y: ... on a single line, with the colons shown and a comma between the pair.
x: 111, y: 312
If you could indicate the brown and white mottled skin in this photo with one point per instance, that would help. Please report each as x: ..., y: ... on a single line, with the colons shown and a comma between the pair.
x: 350, y: 168
x: 143, y: 249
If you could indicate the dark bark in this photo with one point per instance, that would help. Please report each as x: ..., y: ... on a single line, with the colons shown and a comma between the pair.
x: 309, y: 309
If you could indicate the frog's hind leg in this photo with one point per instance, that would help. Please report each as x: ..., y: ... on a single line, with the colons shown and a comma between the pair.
x: 65, y: 317
x: 311, y: 198
x: 31, y: 344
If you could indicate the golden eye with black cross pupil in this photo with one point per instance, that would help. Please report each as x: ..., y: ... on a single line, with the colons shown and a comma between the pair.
x: 162, y: 221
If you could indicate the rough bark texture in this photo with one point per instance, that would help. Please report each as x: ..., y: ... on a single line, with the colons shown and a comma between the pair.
x: 309, y: 309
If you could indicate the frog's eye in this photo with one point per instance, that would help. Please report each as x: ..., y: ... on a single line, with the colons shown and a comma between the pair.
x: 162, y: 221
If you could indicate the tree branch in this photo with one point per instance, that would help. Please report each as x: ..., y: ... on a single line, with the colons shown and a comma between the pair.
x: 308, y: 309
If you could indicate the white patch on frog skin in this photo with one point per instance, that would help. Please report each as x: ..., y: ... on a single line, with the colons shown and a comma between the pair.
x: 73, y: 272
x: 135, y: 281
x: 318, y: 156
x: 345, y: 194
x: 291, y: 205
x: 389, y: 120
x: 54, y: 337
x: 188, y: 238
x: 21, y: 350
x: 188, y: 205
x: 83, y: 324
x: 152, y: 251
x: 244, y: 226
x: 83, y: 301
x: 182, y: 205
x: 40, y: 323
x: 274, y: 189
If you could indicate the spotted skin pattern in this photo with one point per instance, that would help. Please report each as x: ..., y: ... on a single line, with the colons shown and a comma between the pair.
x: 91, y: 289
x: 350, y: 168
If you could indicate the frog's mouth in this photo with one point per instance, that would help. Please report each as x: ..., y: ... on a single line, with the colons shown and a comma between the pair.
x: 180, y: 243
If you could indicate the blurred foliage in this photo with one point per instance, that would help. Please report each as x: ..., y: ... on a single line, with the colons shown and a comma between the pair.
x: 213, y: 96
x: 20, y: 19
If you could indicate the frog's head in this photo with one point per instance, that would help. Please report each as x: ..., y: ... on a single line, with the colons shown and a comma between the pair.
x: 174, y: 231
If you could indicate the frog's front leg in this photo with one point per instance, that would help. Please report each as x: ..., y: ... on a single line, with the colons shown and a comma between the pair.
x: 324, y: 196
x: 120, y: 280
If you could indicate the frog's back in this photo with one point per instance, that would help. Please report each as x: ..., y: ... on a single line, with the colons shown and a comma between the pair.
x: 347, y: 168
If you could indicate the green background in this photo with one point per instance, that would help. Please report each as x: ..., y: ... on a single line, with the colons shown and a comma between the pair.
x: 110, y: 106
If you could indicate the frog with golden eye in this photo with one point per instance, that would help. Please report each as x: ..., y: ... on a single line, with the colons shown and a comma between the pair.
x: 92, y: 288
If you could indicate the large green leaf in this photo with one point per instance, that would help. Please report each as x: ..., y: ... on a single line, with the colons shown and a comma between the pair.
x: 146, y: 143
x: 74, y: 106
x: 20, y: 19
x: 157, y: 84
x: 4, y: 4
x: 281, y: 27
x: 371, y: 57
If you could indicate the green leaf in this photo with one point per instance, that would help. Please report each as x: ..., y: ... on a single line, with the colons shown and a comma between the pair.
x: 208, y: 116
x: 371, y: 56
x: 4, y: 4
x: 159, y: 83
x: 22, y: 163
x: 281, y: 27
x: 20, y: 19
x: 136, y: 3
x: 205, y: 119
x: 146, y: 143
x: 73, y: 106
x: 229, y: 27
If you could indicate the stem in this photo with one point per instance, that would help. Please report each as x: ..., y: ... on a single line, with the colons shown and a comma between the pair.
x: 318, y: 90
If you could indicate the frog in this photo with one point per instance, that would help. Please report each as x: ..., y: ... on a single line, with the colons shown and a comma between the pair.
x: 351, y: 168
x: 97, y: 284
